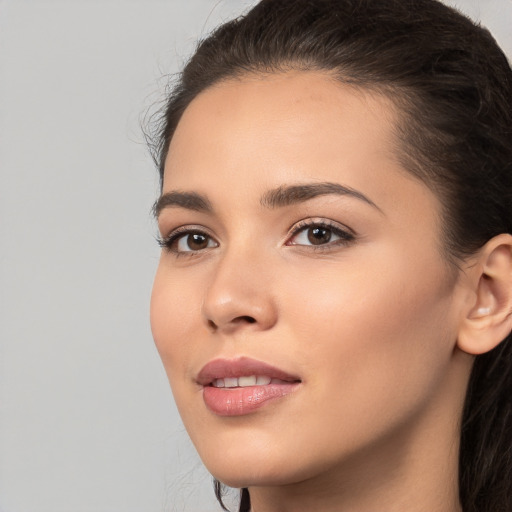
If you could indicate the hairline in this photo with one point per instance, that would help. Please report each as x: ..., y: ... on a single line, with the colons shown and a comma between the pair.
x: 403, y: 101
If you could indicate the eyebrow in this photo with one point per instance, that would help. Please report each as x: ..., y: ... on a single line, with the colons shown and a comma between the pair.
x: 178, y: 199
x: 293, y: 194
x: 276, y: 198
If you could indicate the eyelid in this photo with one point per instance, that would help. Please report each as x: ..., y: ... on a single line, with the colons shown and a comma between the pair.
x: 345, y: 233
x: 166, y: 242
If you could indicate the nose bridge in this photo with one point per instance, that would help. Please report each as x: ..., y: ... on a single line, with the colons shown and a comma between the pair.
x: 239, y: 292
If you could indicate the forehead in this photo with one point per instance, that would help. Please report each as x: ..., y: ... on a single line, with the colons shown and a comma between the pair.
x: 262, y: 131
x: 283, y: 109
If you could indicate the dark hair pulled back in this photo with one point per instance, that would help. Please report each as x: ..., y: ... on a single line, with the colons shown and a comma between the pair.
x: 452, y: 87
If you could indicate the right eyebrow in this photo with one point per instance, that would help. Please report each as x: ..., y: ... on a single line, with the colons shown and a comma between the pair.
x: 293, y: 194
x: 177, y: 199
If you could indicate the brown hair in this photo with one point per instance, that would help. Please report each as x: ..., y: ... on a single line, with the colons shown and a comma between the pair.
x: 453, y: 86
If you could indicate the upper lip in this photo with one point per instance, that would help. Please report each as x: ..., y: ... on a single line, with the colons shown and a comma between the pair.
x: 240, y: 367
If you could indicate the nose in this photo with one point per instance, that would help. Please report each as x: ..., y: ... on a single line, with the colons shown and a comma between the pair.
x: 239, y: 296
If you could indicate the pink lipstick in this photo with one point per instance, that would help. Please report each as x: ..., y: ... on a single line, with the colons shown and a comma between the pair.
x: 234, y: 387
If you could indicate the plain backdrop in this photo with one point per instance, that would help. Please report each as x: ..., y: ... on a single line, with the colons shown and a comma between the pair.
x: 87, y: 421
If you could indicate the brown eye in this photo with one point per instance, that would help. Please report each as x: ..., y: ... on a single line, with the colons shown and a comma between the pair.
x: 196, y: 241
x: 319, y: 235
x: 192, y: 242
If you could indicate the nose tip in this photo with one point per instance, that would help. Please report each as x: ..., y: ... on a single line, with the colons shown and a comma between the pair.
x: 232, y: 303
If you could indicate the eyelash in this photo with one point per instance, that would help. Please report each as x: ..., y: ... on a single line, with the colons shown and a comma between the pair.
x: 346, y: 236
x: 169, y: 242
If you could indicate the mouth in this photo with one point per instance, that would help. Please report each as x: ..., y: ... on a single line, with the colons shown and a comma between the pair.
x: 241, y: 386
x: 246, y: 381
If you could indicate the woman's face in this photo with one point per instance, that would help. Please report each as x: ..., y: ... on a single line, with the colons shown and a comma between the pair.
x: 300, y: 252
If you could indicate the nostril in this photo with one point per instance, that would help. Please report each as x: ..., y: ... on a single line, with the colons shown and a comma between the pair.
x: 248, y: 319
x: 238, y: 321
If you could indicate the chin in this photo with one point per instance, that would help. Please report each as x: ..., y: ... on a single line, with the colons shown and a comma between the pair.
x: 247, y: 474
x: 260, y: 466
x: 239, y: 467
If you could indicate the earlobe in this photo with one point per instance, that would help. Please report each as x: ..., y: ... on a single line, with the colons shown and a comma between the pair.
x: 488, y: 320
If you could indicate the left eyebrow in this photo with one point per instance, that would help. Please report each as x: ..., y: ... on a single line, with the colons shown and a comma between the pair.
x: 293, y: 194
x: 276, y: 198
x: 177, y: 199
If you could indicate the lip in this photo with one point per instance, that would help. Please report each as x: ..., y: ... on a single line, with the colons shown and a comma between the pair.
x: 240, y: 401
x: 240, y: 367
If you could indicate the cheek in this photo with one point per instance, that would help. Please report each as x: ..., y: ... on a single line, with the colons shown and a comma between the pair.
x: 382, y: 337
x: 173, y: 313
x: 372, y: 344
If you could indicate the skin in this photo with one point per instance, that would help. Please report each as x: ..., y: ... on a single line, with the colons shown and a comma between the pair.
x: 370, y: 325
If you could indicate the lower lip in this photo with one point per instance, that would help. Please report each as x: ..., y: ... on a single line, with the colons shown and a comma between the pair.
x: 240, y: 401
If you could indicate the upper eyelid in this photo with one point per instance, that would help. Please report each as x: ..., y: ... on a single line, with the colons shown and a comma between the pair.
x: 165, y: 240
x: 186, y: 228
x: 168, y: 241
x: 171, y: 218
x: 319, y: 221
x: 297, y: 225
x: 293, y: 230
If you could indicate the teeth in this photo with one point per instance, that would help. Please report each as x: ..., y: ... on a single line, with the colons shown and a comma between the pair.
x: 242, y: 382
x: 247, y: 381
x: 230, y: 382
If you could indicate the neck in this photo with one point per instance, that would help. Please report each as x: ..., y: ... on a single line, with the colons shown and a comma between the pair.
x: 415, y: 468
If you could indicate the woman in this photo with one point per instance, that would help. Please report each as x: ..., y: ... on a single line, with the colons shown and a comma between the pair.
x: 334, y: 296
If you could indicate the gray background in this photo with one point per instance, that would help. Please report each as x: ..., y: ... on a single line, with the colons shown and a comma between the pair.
x: 87, y: 422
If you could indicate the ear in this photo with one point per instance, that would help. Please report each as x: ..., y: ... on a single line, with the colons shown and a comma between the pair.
x: 488, y: 318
